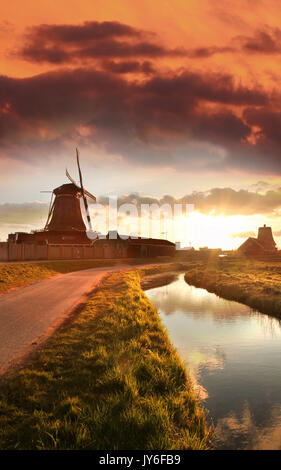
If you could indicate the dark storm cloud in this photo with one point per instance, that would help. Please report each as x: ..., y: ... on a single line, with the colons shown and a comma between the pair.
x: 59, y: 44
x: 56, y: 102
x: 263, y: 41
x: 225, y: 124
x: 216, y: 201
x: 160, y: 120
x: 109, y: 48
x: 93, y: 40
x: 146, y: 67
x: 217, y: 88
x: 87, y: 31
x: 205, y: 52
x: 268, y: 121
x: 65, y: 98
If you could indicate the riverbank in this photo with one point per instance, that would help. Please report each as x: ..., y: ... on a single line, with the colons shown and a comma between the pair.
x: 111, y: 379
x: 158, y: 280
x: 250, y: 282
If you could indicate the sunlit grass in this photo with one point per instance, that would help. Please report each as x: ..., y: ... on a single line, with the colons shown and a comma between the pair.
x: 110, y: 380
x: 13, y: 275
x: 21, y: 274
x: 251, y: 282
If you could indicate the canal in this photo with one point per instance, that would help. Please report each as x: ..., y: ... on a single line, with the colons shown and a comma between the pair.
x: 233, y: 355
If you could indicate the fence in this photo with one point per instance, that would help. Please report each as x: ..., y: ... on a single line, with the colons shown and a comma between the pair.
x: 101, y: 249
x: 26, y: 252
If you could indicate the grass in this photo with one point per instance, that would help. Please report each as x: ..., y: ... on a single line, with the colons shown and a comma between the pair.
x: 110, y: 380
x: 14, y: 275
x: 21, y: 274
x: 251, y: 282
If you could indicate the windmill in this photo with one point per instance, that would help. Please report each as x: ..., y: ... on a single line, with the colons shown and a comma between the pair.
x: 84, y: 192
x: 65, y: 210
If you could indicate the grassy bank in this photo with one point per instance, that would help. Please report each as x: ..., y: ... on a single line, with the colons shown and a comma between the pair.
x: 109, y: 380
x: 14, y: 275
x: 253, y: 283
x: 21, y: 274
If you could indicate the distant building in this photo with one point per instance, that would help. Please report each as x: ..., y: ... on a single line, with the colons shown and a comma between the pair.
x: 206, y: 249
x: 262, y: 245
x: 132, y: 247
x: 184, y: 248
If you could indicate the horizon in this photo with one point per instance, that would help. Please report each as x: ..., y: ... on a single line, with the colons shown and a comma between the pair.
x: 178, y: 105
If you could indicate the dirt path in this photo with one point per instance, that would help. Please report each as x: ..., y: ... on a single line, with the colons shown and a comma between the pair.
x: 30, y: 314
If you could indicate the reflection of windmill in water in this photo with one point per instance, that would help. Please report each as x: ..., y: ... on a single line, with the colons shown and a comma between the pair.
x: 65, y: 210
x: 65, y: 222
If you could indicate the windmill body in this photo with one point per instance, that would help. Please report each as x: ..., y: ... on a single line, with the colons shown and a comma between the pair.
x: 66, y: 210
x: 65, y: 222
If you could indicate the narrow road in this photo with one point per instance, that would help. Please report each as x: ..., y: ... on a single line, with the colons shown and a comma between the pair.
x: 30, y: 314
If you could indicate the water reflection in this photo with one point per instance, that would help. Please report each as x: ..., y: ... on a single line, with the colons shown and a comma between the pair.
x: 231, y: 428
x: 233, y: 355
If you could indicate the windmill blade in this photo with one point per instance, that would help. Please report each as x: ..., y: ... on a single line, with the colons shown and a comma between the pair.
x: 69, y: 177
x: 83, y: 193
x: 51, y: 208
x: 79, y: 169
x: 90, y: 195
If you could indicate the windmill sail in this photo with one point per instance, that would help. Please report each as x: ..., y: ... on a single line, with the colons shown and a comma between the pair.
x: 51, y: 207
x: 83, y: 193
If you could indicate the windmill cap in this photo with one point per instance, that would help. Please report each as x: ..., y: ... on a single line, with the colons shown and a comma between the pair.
x: 67, y: 189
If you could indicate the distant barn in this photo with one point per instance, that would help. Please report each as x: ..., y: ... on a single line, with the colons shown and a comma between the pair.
x: 262, y: 245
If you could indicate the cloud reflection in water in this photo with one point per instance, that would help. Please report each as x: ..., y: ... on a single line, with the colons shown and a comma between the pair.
x: 233, y: 357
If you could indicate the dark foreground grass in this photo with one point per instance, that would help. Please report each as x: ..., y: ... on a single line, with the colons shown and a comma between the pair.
x: 14, y: 275
x: 251, y: 282
x: 110, y: 380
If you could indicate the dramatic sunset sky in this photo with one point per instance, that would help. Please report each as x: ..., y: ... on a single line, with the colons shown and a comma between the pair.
x: 174, y: 101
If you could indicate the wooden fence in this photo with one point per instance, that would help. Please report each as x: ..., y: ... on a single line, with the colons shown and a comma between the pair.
x: 25, y: 252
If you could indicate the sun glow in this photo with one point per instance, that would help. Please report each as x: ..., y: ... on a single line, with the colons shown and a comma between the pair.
x: 219, y: 231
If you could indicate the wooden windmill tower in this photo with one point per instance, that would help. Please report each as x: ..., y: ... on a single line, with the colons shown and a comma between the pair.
x: 65, y: 210
x: 65, y: 222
